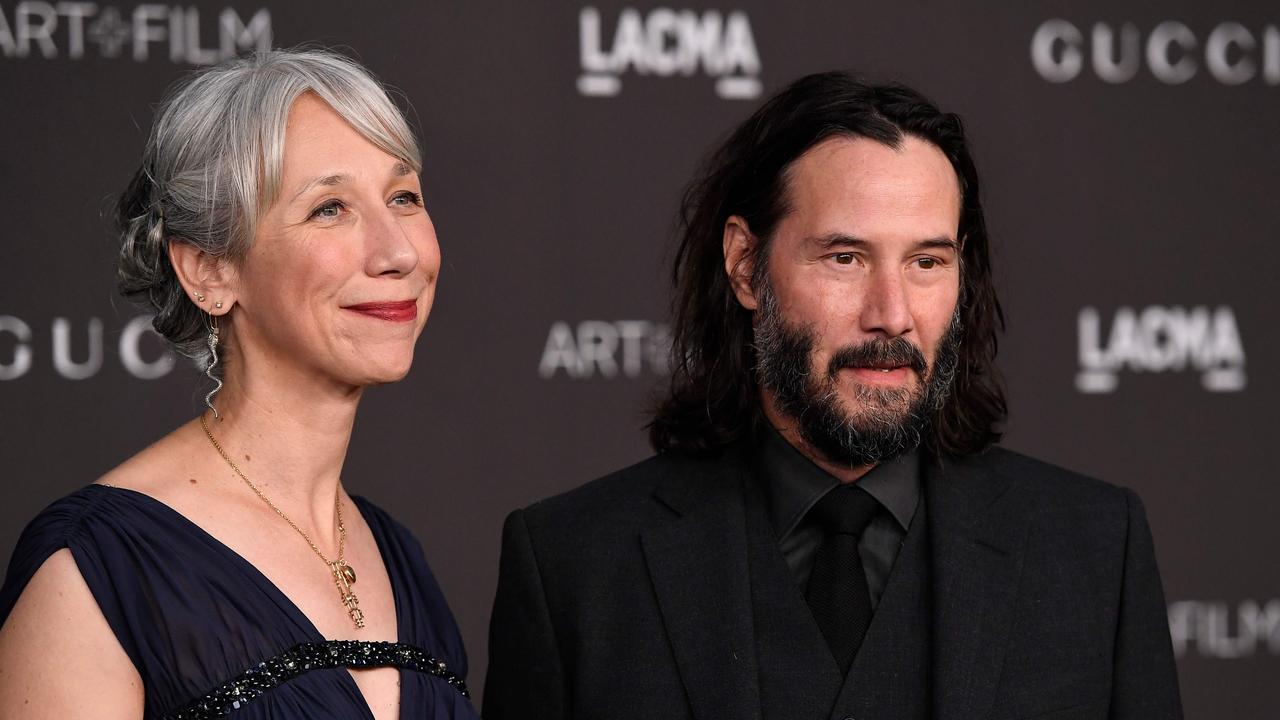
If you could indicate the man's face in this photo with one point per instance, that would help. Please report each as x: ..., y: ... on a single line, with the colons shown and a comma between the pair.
x: 857, y: 324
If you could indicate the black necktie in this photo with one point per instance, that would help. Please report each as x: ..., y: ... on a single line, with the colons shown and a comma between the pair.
x: 837, y: 590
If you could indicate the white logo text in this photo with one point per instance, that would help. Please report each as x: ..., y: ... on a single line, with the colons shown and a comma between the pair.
x: 668, y: 42
x: 607, y: 349
x: 1219, y: 630
x: 1172, y: 52
x: 68, y: 29
x: 1161, y: 339
x: 77, y: 352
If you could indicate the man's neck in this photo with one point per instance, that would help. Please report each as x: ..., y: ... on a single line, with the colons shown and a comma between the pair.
x: 789, y: 429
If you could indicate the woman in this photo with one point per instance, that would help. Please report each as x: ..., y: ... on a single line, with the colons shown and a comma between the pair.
x: 276, y: 228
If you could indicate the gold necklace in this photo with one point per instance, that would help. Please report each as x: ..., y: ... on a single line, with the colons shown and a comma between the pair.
x: 343, y: 574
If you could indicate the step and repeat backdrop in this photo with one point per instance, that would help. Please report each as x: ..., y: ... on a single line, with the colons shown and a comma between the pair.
x: 1131, y: 169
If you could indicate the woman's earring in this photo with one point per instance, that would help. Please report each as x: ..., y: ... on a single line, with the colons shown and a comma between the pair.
x: 199, y: 297
x: 213, y: 361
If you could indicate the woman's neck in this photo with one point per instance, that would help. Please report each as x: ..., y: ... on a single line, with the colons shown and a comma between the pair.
x: 288, y: 433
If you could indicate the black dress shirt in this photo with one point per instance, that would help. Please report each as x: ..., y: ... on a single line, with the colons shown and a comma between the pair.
x: 793, y: 485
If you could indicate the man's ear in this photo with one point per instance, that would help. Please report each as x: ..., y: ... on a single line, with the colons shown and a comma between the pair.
x: 207, y: 280
x: 740, y: 260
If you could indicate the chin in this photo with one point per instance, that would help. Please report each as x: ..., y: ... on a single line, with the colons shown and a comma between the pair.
x: 388, y: 377
x: 380, y: 371
x: 875, y: 403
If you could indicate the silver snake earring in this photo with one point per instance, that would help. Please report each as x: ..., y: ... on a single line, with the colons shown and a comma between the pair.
x: 213, y: 362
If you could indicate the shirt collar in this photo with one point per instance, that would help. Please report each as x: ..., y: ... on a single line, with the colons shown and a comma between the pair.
x: 794, y: 484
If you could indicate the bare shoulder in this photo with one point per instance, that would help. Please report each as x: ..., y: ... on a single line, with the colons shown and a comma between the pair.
x: 59, y: 657
x: 158, y: 469
x: 176, y: 471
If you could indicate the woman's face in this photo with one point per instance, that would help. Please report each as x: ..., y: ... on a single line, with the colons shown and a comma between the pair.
x: 343, y: 267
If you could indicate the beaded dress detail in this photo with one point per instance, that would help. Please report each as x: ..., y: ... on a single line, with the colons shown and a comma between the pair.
x: 306, y: 657
x: 211, y: 636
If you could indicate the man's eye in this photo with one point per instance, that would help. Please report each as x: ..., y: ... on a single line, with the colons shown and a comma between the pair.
x: 844, y: 258
x: 927, y: 263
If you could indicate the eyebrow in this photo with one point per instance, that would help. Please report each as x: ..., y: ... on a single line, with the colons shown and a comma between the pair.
x: 323, y: 181
x: 400, y: 169
x: 842, y: 240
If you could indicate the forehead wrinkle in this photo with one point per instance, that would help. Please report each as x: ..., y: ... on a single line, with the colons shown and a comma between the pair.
x: 399, y: 169
x: 322, y: 181
x: 826, y: 186
x: 939, y: 242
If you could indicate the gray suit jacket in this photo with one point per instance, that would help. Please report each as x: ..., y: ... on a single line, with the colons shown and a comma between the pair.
x: 629, y: 598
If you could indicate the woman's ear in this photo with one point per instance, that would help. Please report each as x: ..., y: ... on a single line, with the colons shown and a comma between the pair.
x: 206, y: 279
x: 739, y: 260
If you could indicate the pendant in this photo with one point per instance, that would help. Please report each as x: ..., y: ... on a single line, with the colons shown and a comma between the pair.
x: 344, y: 577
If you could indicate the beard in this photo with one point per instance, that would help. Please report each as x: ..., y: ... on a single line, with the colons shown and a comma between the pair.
x: 884, y: 422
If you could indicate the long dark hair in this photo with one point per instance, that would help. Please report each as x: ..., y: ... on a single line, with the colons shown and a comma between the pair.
x: 714, y: 398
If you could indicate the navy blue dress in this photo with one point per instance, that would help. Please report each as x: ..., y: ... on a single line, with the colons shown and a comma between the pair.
x: 210, y: 635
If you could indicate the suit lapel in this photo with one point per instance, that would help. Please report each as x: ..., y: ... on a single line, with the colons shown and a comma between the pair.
x: 698, y: 564
x: 799, y: 677
x: 979, y: 521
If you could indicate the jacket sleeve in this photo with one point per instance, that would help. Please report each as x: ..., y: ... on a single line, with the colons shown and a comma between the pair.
x: 525, y: 678
x: 1145, y: 685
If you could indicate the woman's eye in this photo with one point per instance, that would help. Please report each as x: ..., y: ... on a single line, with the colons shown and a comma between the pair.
x: 328, y: 211
x: 407, y: 198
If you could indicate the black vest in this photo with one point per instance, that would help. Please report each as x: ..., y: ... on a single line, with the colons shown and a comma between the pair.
x: 799, y: 679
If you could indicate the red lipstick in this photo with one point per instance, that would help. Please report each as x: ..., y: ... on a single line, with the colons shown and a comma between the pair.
x: 403, y: 311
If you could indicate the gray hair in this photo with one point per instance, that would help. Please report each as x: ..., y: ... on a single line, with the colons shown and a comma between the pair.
x: 213, y: 161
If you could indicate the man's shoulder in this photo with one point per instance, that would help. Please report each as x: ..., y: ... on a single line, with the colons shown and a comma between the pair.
x: 1046, y: 476
x: 1056, y: 490
x: 625, y: 497
x: 634, y: 482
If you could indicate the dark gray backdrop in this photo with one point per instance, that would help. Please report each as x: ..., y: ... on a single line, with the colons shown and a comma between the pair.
x: 1130, y: 168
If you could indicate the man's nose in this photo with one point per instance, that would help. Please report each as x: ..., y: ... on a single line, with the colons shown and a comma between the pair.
x: 885, y: 309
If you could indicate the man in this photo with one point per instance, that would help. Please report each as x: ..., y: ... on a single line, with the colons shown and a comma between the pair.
x: 827, y: 529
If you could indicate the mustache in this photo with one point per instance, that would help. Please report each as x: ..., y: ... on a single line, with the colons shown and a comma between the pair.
x: 878, y: 352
